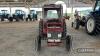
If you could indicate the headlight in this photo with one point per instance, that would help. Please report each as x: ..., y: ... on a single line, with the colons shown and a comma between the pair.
x: 59, y: 35
x: 48, y: 34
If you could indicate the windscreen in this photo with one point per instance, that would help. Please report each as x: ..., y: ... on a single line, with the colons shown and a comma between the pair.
x: 52, y: 14
x: 18, y: 12
x: 4, y: 11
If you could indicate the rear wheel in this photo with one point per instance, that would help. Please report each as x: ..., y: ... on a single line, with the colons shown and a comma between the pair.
x: 76, y: 24
x: 65, y: 30
x: 38, y: 43
x: 38, y: 40
x: 17, y: 19
x: 41, y: 29
x: 93, y: 26
x: 10, y: 19
x: 68, y: 43
x: 72, y: 24
x: 2, y: 19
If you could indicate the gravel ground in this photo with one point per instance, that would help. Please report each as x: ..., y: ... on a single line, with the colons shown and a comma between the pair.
x: 17, y: 39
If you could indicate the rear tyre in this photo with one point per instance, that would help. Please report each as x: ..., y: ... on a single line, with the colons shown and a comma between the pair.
x: 65, y: 30
x: 17, y: 19
x: 72, y: 24
x: 93, y: 26
x: 2, y: 19
x: 41, y: 29
x: 76, y: 24
x: 38, y: 43
x: 26, y: 19
x: 68, y: 43
x: 10, y: 19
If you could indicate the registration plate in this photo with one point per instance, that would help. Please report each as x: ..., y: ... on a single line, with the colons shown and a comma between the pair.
x: 54, y: 40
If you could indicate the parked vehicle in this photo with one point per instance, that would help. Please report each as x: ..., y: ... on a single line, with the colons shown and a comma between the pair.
x: 19, y: 15
x: 4, y: 15
x: 52, y: 27
x: 91, y: 22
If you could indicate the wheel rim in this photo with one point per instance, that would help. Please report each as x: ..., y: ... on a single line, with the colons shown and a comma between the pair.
x: 90, y: 25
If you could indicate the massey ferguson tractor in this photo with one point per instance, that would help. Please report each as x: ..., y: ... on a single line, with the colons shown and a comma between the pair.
x: 52, y: 28
x: 91, y: 22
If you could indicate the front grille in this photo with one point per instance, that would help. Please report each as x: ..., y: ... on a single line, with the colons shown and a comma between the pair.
x: 54, y: 35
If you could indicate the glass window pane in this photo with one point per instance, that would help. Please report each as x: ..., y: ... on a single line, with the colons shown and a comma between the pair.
x: 52, y: 14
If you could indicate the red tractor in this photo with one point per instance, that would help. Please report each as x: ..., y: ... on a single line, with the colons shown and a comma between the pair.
x: 52, y: 27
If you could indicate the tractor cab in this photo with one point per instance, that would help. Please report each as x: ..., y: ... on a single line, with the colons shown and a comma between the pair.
x: 32, y: 11
x: 33, y: 14
x: 4, y: 15
x: 4, y: 11
x: 19, y: 14
x: 96, y: 8
x: 52, y: 17
x: 52, y: 11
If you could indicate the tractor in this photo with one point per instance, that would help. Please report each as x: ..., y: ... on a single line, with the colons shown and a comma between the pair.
x: 4, y: 15
x: 19, y: 15
x: 32, y: 15
x: 52, y: 27
x: 91, y: 22
x: 79, y: 21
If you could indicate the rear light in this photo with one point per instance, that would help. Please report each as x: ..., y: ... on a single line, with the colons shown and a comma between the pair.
x: 59, y: 35
x: 48, y: 35
x: 54, y: 35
